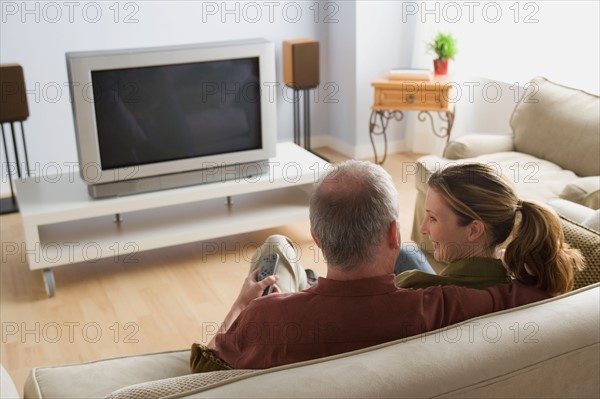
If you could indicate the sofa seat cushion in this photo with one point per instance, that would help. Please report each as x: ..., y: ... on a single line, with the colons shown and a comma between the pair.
x: 572, y: 210
x: 533, y: 178
x: 592, y: 221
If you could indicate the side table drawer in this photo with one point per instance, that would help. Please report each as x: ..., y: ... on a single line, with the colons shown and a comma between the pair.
x: 413, y: 96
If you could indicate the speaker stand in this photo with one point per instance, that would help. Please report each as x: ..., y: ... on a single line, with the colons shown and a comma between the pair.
x: 296, y: 100
x: 306, y: 121
x: 9, y: 204
x: 306, y: 93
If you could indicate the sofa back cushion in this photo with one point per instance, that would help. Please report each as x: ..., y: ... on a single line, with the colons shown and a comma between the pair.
x: 559, y: 124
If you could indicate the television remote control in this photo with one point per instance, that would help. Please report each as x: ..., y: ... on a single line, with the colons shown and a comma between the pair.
x: 267, y: 267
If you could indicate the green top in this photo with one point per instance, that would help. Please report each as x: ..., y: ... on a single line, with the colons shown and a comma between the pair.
x: 468, y: 272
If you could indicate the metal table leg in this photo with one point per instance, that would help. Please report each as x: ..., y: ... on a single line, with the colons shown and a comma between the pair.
x: 378, y: 124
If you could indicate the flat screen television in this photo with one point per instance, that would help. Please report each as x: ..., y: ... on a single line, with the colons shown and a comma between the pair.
x: 164, y: 117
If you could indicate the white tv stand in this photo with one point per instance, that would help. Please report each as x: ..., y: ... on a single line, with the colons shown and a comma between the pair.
x: 64, y: 225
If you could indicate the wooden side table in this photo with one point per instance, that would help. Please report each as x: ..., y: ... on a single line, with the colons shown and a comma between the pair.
x: 393, y: 97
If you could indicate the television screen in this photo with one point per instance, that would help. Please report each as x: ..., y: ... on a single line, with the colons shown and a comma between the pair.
x: 152, y: 114
x: 162, y: 117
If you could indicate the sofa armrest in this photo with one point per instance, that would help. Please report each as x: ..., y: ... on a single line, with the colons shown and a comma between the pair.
x: 584, y: 191
x: 99, y: 378
x: 472, y: 145
x: 7, y: 386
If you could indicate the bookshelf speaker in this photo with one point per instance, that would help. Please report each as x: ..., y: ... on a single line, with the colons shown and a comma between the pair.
x: 301, y: 63
x: 13, y: 104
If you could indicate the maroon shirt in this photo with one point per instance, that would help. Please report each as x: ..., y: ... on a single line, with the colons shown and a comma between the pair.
x: 339, y: 316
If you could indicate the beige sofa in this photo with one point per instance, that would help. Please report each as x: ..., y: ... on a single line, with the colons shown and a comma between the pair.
x: 553, y: 150
x: 546, y: 349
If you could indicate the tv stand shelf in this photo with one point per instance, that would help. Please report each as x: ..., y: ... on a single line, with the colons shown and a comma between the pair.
x: 64, y: 225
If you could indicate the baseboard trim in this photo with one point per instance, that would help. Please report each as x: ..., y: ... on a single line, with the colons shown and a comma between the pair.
x: 363, y: 151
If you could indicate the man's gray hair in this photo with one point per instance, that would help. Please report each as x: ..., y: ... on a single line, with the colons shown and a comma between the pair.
x: 351, y: 210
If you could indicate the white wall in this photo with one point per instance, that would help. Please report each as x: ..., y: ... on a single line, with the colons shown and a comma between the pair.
x: 341, y: 46
x: 366, y: 41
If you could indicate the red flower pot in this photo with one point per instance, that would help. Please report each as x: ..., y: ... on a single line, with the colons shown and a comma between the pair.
x: 440, y: 66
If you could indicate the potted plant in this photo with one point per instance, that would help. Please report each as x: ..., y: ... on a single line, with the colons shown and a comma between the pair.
x: 444, y: 46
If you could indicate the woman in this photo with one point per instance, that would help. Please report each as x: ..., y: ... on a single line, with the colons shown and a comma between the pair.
x: 470, y: 210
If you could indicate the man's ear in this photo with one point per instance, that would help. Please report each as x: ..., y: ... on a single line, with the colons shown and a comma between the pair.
x: 476, y: 229
x: 394, y: 234
x: 312, y: 233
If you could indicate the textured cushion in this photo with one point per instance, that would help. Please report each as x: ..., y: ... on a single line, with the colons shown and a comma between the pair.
x: 177, y: 386
x: 588, y: 242
x: 584, y: 191
x: 560, y: 124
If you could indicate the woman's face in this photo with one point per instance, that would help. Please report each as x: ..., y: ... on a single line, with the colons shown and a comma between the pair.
x: 440, y: 224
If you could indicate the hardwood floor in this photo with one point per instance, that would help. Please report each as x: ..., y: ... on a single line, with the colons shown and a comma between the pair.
x: 157, y: 300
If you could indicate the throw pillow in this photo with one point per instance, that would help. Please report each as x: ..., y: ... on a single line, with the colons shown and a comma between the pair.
x: 176, y: 387
x: 584, y: 191
x: 588, y: 242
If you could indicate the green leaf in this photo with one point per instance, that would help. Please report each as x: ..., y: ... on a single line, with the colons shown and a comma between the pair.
x: 444, y: 46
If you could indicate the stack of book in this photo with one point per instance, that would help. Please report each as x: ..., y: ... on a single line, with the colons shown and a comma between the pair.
x: 411, y: 74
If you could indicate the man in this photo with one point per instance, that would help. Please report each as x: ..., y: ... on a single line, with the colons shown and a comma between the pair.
x: 353, y: 217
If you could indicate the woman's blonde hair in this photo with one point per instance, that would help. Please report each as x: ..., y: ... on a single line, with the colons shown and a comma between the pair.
x: 536, y: 252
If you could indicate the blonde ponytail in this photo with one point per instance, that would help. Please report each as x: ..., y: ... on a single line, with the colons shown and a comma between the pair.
x: 537, y: 253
